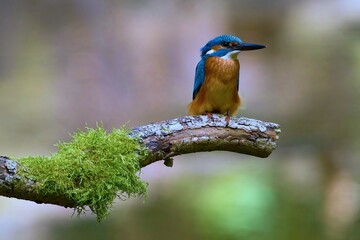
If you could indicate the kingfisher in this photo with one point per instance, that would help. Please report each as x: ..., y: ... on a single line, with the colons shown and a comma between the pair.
x: 216, y: 82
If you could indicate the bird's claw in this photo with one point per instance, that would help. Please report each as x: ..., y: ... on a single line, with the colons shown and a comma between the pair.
x: 210, y: 116
x: 227, y: 119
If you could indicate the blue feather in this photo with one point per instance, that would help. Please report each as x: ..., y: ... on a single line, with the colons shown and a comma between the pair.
x: 199, y: 77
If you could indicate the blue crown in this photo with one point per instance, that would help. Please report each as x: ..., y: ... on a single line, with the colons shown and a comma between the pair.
x: 218, y: 41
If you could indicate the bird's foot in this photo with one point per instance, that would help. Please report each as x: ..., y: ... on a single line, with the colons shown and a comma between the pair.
x: 209, y: 115
x: 227, y: 118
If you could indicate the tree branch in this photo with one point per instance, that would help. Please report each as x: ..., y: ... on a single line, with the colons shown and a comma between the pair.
x: 192, y: 134
x: 14, y: 185
x: 164, y: 140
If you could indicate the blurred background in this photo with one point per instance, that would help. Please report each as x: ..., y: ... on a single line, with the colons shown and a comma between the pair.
x: 64, y: 64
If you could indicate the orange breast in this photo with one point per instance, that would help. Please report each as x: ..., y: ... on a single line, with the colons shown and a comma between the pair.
x: 219, y: 93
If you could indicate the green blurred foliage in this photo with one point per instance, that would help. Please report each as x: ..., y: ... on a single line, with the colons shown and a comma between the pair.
x: 247, y: 202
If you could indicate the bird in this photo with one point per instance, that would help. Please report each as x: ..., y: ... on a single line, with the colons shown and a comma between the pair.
x: 216, y: 82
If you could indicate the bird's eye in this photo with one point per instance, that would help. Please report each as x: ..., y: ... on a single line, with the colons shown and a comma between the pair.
x: 225, y: 44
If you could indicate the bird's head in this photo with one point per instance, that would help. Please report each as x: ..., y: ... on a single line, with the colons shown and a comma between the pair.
x: 227, y: 45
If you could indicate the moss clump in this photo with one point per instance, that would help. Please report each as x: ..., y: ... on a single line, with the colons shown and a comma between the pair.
x: 91, y: 170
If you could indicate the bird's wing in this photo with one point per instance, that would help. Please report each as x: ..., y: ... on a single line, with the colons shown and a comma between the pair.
x: 199, y: 77
x: 238, y: 82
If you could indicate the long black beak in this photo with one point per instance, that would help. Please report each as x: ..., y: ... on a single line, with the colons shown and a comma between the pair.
x: 248, y: 46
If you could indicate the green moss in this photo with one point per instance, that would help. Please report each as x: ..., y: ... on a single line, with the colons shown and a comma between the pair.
x: 91, y: 170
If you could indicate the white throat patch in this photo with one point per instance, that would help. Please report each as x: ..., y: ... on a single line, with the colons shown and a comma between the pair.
x: 231, y: 55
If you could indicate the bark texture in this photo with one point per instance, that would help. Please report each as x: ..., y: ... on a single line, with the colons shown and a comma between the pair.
x: 192, y: 134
